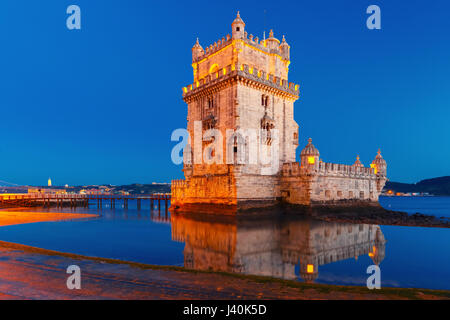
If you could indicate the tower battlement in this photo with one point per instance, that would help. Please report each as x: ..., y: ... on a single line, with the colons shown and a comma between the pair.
x: 268, y: 55
x: 250, y: 73
x: 250, y: 40
x: 328, y: 169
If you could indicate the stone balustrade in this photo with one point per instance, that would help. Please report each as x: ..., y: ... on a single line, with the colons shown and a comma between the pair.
x: 246, y: 71
x: 225, y: 41
x: 327, y: 169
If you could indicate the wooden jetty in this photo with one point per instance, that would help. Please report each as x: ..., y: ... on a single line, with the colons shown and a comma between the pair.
x: 81, y: 200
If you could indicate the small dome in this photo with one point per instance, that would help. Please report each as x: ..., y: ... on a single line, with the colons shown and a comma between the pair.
x: 272, y: 38
x: 197, y: 45
x: 379, y: 159
x: 309, y: 277
x: 358, y: 162
x: 238, y: 20
x: 284, y: 43
x: 310, y: 150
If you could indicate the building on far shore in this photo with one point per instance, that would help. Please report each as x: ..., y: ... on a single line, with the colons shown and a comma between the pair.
x: 45, y: 190
x: 241, y: 87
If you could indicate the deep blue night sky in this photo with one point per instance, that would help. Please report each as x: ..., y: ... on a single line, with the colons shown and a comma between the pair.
x: 98, y: 105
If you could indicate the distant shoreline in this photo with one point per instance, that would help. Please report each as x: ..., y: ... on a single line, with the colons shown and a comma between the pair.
x: 429, y: 187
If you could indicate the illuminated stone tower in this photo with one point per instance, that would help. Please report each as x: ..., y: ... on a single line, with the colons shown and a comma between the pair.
x: 241, y: 89
x: 243, y: 136
x: 49, y: 182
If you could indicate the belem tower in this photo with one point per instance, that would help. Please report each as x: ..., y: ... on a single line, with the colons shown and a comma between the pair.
x: 243, y: 136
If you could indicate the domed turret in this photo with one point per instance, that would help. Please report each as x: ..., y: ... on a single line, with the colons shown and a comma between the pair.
x: 309, y: 155
x: 379, y: 165
x: 284, y: 49
x: 272, y: 42
x: 197, y: 51
x: 238, y: 27
x: 358, y: 162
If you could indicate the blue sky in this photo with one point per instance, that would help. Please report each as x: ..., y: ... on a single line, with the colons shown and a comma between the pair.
x: 98, y: 105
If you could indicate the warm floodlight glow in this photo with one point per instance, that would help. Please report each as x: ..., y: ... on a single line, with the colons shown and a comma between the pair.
x: 214, y: 68
x: 374, y: 250
x: 311, y: 160
x: 374, y: 167
x: 310, y: 268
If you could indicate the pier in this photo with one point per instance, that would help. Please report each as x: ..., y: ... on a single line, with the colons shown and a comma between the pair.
x: 81, y: 200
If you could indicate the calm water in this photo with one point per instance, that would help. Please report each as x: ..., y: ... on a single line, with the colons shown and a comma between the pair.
x: 275, y: 246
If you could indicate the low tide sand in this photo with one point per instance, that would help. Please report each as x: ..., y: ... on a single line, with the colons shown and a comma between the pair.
x: 10, y: 217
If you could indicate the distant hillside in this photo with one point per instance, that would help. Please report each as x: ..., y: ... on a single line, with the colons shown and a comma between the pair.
x: 135, y: 188
x: 144, y: 188
x: 436, y: 186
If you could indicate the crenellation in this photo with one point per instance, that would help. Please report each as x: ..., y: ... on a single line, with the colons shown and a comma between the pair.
x: 244, y: 70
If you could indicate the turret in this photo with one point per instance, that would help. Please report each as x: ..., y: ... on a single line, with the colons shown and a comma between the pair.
x: 197, y: 51
x: 272, y: 42
x: 379, y: 165
x: 358, y: 163
x: 285, y: 49
x: 380, y: 169
x: 309, y: 157
x: 238, y: 28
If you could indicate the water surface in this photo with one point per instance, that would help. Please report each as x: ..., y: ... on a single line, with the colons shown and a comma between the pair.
x: 281, y: 246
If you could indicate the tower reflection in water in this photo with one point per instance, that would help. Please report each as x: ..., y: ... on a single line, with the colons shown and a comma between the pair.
x: 273, y: 246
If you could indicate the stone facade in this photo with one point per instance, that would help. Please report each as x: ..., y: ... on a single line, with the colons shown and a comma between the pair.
x: 241, y: 113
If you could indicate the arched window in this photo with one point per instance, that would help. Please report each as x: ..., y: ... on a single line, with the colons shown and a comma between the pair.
x: 214, y: 68
x: 264, y: 100
x: 267, y: 124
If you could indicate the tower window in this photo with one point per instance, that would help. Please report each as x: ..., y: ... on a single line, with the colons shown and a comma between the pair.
x: 264, y: 100
x: 210, y: 103
x: 237, y: 29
